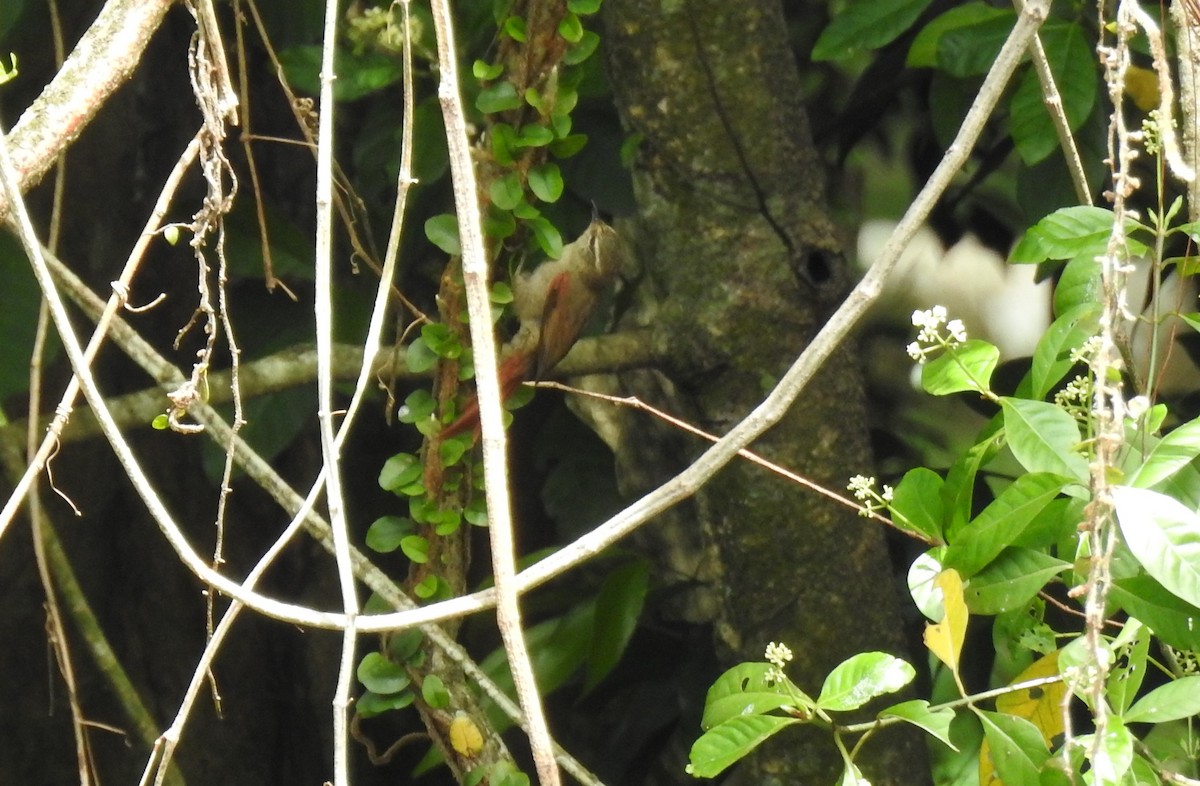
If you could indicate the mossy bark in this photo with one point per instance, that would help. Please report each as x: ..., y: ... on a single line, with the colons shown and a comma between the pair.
x: 739, y: 268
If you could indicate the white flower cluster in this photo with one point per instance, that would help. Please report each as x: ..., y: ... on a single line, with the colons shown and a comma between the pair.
x: 778, y: 655
x: 863, y: 489
x: 931, y: 337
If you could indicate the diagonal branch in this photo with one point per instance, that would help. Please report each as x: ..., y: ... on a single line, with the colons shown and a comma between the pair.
x: 101, y: 62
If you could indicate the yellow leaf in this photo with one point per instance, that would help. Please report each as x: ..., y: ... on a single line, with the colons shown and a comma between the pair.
x: 945, y: 639
x: 1141, y: 85
x: 465, y: 737
x: 987, y: 770
x: 1041, y: 706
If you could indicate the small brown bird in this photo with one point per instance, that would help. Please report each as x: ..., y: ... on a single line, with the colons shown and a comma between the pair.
x: 553, y: 304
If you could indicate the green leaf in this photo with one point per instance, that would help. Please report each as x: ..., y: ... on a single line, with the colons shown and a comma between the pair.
x: 400, y: 470
x: 1074, y: 66
x: 442, y: 231
x: 618, y: 608
x: 385, y: 533
x: 357, y: 75
x: 534, y: 135
x: 405, y: 646
x: 441, y: 340
x: 418, y: 407
x: 917, y: 503
x: 500, y: 294
x: 514, y: 26
x: 1172, y: 620
x: 917, y: 712
x: 966, y: 367
x: 866, y: 25
x: 1176, y: 700
x: 499, y: 224
x: 1172, y: 453
x: 500, y: 97
x: 1114, y: 756
x: 924, y: 50
x: 371, y: 704
x: 416, y: 548
x: 958, y: 493
x: 453, y: 449
x: 1011, y: 580
x: 1015, y: 746
x: 547, y: 236
x: 568, y: 145
x: 506, y: 192
x: 1164, y: 536
x: 997, y: 525
x: 427, y: 588
x: 1044, y: 438
x: 1125, y: 677
x: 1080, y: 231
x: 862, y: 677
x: 486, y: 71
x: 419, y: 357
x: 546, y: 182
x: 380, y: 675
x: 434, y: 693
x: 721, y: 747
x: 504, y: 141
x: 583, y: 7
x: 745, y: 690
x: 969, y: 50
x: 1052, y: 357
x: 570, y: 28
x: 583, y: 49
x: 1079, y: 285
x: 476, y: 511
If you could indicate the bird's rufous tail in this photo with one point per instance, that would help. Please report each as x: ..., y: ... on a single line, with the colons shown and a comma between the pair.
x: 513, y: 370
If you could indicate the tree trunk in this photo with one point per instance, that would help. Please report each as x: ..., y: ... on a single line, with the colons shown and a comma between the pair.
x: 740, y: 267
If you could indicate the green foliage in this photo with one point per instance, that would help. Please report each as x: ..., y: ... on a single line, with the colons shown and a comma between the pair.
x: 1006, y: 522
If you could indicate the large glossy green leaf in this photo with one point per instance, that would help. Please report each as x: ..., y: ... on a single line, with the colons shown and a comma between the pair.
x: 745, y: 690
x: 1080, y: 231
x: 724, y: 745
x: 970, y: 50
x: 1011, y: 580
x: 1164, y: 536
x: 1172, y: 620
x: 917, y: 503
x: 997, y: 525
x: 1074, y: 66
x: 357, y: 74
x: 1176, y: 700
x: 1173, y: 452
x: 958, y: 493
x: 862, y: 677
x: 1078, y: 285
x: 1052, y: 359
x: 618, y: 607
x: 1044, y: 438
x: 1132, y: 647
x: 924, y: 50
x: 917, y: 712
x: 1015, y: 746
x: 864, y: 25
x: 967, y: 367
